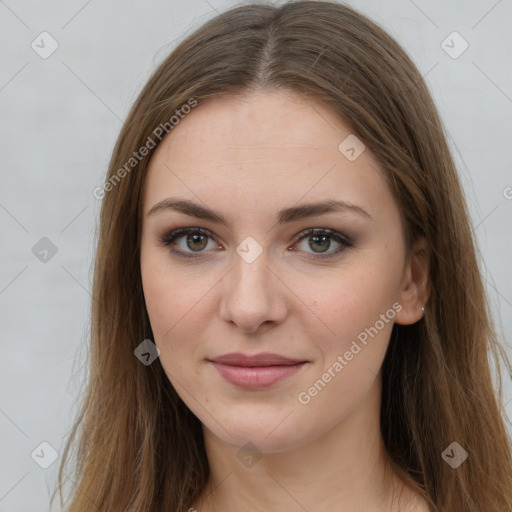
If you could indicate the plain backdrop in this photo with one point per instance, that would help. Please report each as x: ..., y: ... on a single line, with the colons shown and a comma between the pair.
x: 60, y: 116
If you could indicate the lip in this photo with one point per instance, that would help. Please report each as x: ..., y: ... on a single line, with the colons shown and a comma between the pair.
x: 256, y: 371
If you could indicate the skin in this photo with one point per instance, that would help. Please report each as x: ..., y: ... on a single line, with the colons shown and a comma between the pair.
x: 247, y: 157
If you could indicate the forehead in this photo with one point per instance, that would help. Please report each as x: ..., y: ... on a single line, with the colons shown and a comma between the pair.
x: 263, y: 147
x: 258, y: 122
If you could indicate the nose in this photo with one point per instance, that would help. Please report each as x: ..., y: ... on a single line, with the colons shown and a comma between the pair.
x: 253, y: 295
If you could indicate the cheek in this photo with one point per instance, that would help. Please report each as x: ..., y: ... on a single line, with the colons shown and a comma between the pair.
x: 167, y: 293
x: 178, y: 308
x: 346, y: 303
x: 170, y: 313
x: 351, y: 350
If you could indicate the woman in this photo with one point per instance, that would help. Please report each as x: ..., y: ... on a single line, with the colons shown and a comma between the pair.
x: 288, y: 309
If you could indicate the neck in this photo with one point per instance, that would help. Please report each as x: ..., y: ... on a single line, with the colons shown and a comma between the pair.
x: 344, y: 469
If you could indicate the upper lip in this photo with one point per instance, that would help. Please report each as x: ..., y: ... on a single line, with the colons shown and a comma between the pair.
x: 263, y: 359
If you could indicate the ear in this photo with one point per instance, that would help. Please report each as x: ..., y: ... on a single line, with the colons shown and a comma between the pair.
x: 415, y: 286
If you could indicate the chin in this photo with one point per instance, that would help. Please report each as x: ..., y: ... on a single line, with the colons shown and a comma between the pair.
x: 269, y: 433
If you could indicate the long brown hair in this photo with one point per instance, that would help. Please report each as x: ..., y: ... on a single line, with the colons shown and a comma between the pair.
x: 137, y: 446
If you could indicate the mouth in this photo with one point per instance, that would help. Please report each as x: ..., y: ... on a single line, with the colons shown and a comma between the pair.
x: 256, y: 371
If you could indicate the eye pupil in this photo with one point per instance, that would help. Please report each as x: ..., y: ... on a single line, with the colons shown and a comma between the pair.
x: 323, y: 239
x: 196, y: 239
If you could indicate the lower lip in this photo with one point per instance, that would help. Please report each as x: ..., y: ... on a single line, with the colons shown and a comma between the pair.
x: 256, y: 377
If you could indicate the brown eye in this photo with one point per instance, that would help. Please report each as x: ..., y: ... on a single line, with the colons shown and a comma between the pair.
x: 187, y: 241
x: 319, y: 241
x: 323, y: 242
x: 196, y: 242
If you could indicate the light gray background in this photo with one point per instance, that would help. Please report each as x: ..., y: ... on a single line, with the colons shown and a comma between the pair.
x: 60, y: 118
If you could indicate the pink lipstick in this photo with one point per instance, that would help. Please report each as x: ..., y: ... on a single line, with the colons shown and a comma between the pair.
x: 256, y: 371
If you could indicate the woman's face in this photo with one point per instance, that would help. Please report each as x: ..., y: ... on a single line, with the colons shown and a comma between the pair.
x: 257, y: 282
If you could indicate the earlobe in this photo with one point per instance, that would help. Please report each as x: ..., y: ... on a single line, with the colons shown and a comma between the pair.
x: 415, y: 288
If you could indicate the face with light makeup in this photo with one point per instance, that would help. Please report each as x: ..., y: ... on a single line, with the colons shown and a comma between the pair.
x: 260, y: 275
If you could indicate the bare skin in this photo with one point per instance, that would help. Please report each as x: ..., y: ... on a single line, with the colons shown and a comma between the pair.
x: 248, y: 157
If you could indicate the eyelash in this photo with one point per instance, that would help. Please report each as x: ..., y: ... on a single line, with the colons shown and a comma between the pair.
x: 168, y: 238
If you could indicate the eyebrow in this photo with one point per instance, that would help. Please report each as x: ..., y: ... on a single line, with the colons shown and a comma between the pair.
x: 291, y: 214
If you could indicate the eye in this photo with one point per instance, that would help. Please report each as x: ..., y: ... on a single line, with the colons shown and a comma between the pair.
x: 195, y: 240
x: 319, y: 240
